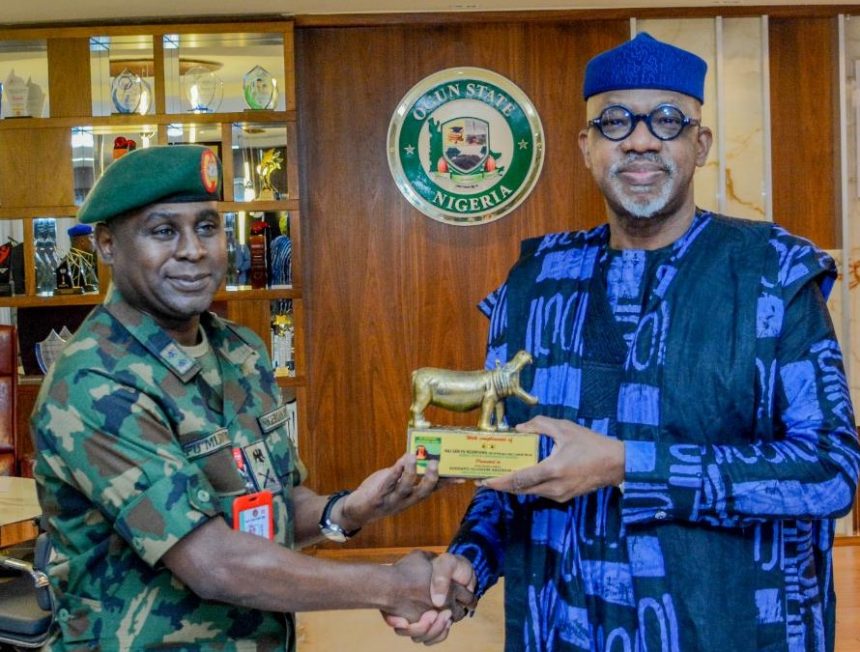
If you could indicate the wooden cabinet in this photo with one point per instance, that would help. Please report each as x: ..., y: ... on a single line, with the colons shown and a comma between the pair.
x: 152, y: 84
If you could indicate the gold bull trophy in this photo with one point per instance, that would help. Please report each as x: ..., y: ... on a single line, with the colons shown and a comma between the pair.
x: 489, y: 450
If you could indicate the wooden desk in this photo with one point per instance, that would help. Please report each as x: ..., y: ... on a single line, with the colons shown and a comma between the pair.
x: 19, y: 509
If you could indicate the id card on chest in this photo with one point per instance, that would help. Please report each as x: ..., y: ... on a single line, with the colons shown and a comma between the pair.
x: 253, y: 513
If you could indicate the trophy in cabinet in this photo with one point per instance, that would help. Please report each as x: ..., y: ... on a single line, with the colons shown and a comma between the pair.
x: 488, y: 450
x: 49, y: 349
x: 45, y: 249
x: 238, y: 255
x: 258, y: 243
x: 130, y: 93
x: 63, y: 277
x: 35, y: 99
x: 122, y: 146
x: 283, y: 332
x: 270, y: 161
x: 17, y: 94
x: 6, y: 269
x: 24, y: 99
x: 281, y: 254
x: 204, y: 90
x: 260, y: 89
x: 232, y: 278
x: 81, y: 258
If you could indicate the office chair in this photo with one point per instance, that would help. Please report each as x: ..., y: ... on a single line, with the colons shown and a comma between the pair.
x: 26, y: 607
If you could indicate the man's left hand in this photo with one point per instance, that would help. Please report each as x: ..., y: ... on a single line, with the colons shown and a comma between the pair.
x: 582, y: 461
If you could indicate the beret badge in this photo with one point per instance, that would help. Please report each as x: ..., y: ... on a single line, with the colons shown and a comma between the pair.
x: 209, y: 171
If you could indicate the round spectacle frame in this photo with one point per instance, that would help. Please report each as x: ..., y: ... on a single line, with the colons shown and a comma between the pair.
x: 666, y: 122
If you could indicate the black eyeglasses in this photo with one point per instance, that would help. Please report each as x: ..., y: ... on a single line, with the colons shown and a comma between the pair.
x: 666, y: 122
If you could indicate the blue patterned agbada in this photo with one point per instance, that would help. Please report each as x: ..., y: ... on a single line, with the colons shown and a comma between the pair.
x: 715, y: 362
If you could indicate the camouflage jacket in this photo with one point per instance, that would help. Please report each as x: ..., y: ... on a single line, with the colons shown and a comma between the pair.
x: 134, y: 452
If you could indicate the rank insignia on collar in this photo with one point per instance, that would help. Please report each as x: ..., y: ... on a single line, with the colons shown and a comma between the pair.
x: 176, y: 359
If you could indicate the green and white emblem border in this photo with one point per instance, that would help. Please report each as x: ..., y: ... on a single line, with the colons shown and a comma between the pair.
x: 503, y: 201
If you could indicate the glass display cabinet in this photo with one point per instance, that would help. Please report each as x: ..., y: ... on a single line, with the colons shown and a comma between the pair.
x: 76, y: 99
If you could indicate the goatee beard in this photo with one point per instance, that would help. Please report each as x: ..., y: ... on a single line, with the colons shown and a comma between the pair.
x: 636, y: 209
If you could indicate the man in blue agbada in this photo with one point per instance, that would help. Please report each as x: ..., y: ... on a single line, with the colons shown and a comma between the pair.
x: 170, y: 488
x: 699, y: 435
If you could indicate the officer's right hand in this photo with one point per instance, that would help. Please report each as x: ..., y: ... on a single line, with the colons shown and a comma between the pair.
x: 452, y: 587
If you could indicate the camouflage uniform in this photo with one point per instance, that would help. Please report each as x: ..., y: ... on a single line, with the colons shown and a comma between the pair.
x: 136, y: 450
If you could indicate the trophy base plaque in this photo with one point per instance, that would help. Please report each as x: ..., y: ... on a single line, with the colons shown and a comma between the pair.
x: 473, y: 453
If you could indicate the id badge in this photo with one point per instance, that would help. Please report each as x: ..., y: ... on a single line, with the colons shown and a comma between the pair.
x: 253, y: 513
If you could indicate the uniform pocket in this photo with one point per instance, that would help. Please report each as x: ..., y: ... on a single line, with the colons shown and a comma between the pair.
x: 213, y: 454
x: 81, y: 620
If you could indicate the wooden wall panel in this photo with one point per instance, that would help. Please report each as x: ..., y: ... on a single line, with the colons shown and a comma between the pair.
x: 804, y: 92
x: 69, y: 77
x: 256, y: 315
x: 387, y: 289
x: 35, y: 178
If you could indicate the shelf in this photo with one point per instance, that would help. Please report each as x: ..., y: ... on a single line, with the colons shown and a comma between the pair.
x: 290, y: 381
x: 26, y: 212
x: 23, y: 301
x: 203, y: 26
x: 128, y: 119
x: 258, y: 206
x: 23, y: 212
x: 267, y: 294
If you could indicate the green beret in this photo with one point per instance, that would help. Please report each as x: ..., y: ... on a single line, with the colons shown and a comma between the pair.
x: 163, y: 174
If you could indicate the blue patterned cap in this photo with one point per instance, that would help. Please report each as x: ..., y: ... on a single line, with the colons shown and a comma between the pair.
x: 646, y: 62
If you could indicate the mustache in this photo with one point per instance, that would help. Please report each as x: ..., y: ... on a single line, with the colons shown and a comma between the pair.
x: 634, y: 158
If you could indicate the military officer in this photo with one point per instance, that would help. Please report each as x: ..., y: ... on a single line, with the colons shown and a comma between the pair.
x: 170, y: 488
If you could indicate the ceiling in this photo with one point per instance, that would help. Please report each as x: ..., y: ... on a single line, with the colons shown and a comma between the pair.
x: 17, y: 12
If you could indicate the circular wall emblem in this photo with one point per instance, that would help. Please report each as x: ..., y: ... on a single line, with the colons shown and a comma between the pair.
x: 465, y: 146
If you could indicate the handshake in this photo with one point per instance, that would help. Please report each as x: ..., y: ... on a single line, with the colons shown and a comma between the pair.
x: 427, y: 616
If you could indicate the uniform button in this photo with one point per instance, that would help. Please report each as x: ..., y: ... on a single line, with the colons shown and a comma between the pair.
x: 203, y: 495
x: 63, y: 615
x: 660, y: 515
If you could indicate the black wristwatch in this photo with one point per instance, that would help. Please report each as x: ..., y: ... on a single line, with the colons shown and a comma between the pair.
x: 331, y: 530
